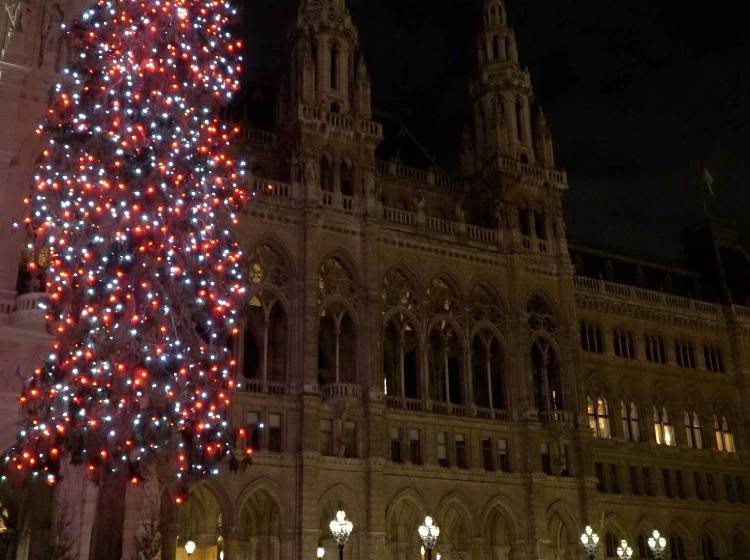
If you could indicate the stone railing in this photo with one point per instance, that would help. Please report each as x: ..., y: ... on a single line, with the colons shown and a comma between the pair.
x: 423, y: 177
x: 445, y: 227
x: 564, y: 417
x: 741, y: 312
x: 493, y: 414
x: 485, y: 235
x: 544, y: 174
x: 447, y: 409
x: 341, y: 391
x: 345, y: 123
x: 28, y: 312
x: 258, y: 386
x: 641, y: 295
x: 398, y: 216
x: 268, y: 189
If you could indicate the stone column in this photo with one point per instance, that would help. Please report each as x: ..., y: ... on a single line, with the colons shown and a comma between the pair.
x: 231, y: 543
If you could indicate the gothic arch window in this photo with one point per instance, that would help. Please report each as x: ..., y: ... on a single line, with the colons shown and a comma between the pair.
x: 693, y: 430
x: 631, y: 428
x: 676, y: 548
x: 708, y: 549
x: 520, y: 122
x: 723, y: 434
x: 540, y: 224
x: 486, y: 306
x: 401, y: 358
x: 547, y: 376
x: 327, y: 177
x: 442, y: 297
x: 335, y: 279
x: 399, y: 289
x: 541, y: 315
x: 444, y: 364
x: 347, y: 178
x: 598, y: 413
x: 663, y: 429
x: 314, y: 57
x: 610, y: 545
x: 495, y: 47
x: 337, y: 346
x: 487, y: 364
x: 334, y: 66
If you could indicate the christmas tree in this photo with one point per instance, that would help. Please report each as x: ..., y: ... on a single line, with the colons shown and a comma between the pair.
x: 134, y: 199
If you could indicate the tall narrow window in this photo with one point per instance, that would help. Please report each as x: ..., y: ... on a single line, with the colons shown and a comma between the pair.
x: 693, y: 431
x: 350, y: 439
x: 676, y: 548
x: 635, y: 487
x: 713, y: 359
x: 442, y: 449
x: 614, y: 479
x: 680, y: 483
x: 610, y: 545
x: 724, y: 436
x: 624, y: 344
x: 274, y: 432
x: 700, y: 491
x: 520, y: 122
x: 711, y: 487
x: 663, y: 429
x: 655, y: 351
x: 334, y: 67
x: 546, y: 458
x: 487, y: 368
x: 684, y: 354
x: 326, y: 436
x: 667, y: 478
x: 503, y: 457
x: 495, y: 47
x: 729, y: 488
x: 592, y: 339
x: 460, y: 443
x: 647, y: 486
x: 599, y: 470
x: 631, y: 429
x: 564, y: 459
x: 396, y: 445
x: 487, y: 454
x: 415, y: 446
x: 598, y: 412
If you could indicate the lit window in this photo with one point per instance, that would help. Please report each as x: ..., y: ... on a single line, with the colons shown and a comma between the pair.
x: 599, y: 417
x: 693, y: 431
x: 724, y: 436
x: 663, y: 430
x: 631, y: 429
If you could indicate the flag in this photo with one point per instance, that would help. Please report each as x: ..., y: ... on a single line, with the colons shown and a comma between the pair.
x: 709, y: 180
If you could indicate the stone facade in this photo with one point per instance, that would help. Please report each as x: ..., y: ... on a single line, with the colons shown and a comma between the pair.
x: 414, y: 345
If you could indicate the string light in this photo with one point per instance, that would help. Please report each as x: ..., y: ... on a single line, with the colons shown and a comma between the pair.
x: 134, y: 198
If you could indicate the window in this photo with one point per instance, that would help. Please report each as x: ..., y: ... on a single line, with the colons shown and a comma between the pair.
x: 631, y: 429
x: 740, y: 485
x: 707, y: 548
x: 712, y: 356
x: 520, y: 132
x: 643, y: 550
x: 700, y: 491
x: 655, y: 349
x: 624, y: 344
x: 599, y: 469
x: 334, y: 67
x: 648, y: 489
x: 503, y: 457
x: 591, y: 338
x: 667, y: 477
x: 610, y: 545
x: 326, y: 436
x: 442, y: 449
x: 254, y: 429
x: 729, y: 487
x: 495, y: 47
x: 274, y: 432
x: 724, y: 436
x: 635, y: 487
x: 663, y: 430
x: 544, y: 451
x: 415, y: 446
x: 676, y: 548
x: 684, y: 354
x: 460, y: 442
x: 487, y: 454
x: 599, y: 417
x: 614, y: 480
x: 396, y: 445
x: 680, y: 485
x: 710, y: 486
x: 350, y: 439
x: 565, y: 460
x: 693, y: 432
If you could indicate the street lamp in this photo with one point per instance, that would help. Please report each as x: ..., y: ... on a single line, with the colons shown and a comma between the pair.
x: 190, y: 547
x: 589, y: 540
x: 657, y: 544
x: 321, y: 553
x: 341, y: 529
x: 429, y: 533
x: 624, y: 552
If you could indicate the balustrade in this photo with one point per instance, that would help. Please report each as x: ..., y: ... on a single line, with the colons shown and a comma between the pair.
x: 341, y: 391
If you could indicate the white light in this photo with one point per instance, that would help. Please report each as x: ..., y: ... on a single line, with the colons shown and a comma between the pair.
x: 190, y: 547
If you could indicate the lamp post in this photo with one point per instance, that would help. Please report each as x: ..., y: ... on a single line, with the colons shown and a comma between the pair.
x: 190, y: 547
x: 341, y: 529
x: 624, y: 552
x: 429, y: 533
x: 657, y: 544
x: 321, y: 553
x: 589, y: 540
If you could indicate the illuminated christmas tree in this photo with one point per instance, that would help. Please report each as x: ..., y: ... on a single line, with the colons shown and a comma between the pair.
x: 134, y: 199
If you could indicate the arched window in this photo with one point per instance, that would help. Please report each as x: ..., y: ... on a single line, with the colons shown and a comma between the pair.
x: 598, y: 412
x: 610, y: 545
x: 520, y: 121
x: 540, y: 225
x: 314, y: 57
x: 708, y: 549
x: 444, y: 362
x: 326, y: 174
x: 337, y: 347
x: 487, y: 367
x: 334, y: 67
x: 663, y: 429
x: 643, y: 550
x: 631, y: 428
x: 693, y: 431
x: 347, y: 179
x: 495, y: 47
x: 724, y: 436
x: 546, y: 371
x: 676, y: 548
x: 401, y: 359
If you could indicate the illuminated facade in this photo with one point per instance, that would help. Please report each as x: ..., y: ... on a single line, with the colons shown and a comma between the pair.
x: 415, y: 345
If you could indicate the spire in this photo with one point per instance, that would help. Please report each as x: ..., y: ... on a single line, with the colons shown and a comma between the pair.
x: 497, y: 41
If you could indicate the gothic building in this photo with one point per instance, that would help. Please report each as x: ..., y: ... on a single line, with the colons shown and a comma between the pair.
x: 419, y: 345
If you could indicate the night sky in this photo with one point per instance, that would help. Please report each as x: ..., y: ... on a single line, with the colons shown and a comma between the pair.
x: 640, y: 94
